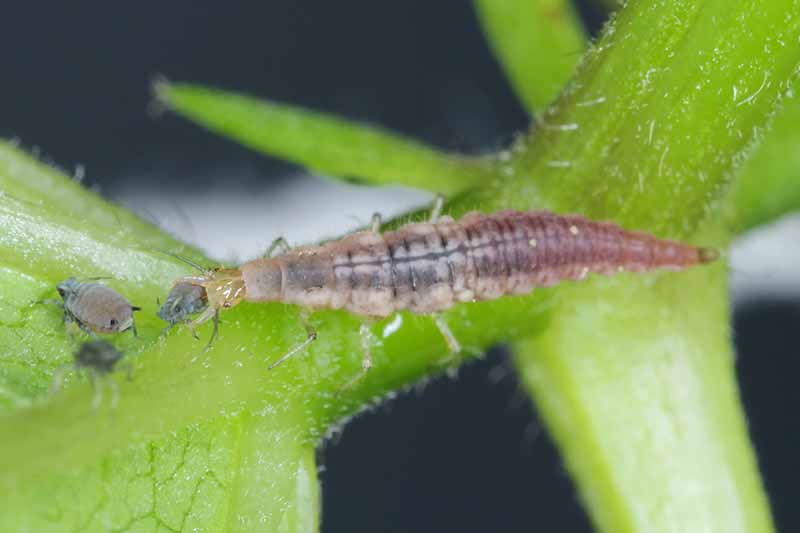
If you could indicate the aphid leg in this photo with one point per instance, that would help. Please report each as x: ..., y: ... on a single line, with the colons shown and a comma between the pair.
x: 279, y: 244
x: 444, y: 329
x: 97, y: 386
x: 366, y: 356
x: 312, y: 336
x: 16, y: 401
x: 128, y: 366
x: 133, y: 322
x: 58, y: 378
x: 114, y: 386
x: 86, y: 329
x: 375, y: 223
x: 49, y: 301
x: 169, y: 327
x: 436, y: 211
x: 68, y: 321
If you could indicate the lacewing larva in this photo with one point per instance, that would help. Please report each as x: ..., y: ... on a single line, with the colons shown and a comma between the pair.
x: 96, y: 308
x: 428, y: 267
x: 97, y: 358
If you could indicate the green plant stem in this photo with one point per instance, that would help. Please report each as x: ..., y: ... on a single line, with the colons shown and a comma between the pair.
x: 767, y: 187
x: 326, y: 144
x: 640, y: 395
x: 664, y: 109
x: 551, y: 28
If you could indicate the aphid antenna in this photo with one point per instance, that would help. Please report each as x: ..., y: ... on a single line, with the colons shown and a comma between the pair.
x: 94, y: 278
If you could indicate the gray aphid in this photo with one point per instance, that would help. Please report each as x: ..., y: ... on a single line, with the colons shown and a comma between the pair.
x: 183, y: 300
x: 98, y: 358
x: 96, y: 307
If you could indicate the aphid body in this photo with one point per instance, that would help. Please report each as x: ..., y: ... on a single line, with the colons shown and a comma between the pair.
x: 183, y: 300
x: 428, y: 267
x: 96, y: 307
x: 98, y: 358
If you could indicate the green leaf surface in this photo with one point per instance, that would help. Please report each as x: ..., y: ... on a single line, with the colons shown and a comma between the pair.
x: 325, y: 144
x: 538, y: 42
x: 273, y: 419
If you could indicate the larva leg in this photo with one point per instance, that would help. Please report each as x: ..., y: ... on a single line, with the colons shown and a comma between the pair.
x: 366, y: 356
x: 436, y: 211
x: 444, y: 329
x: 202, y: 318
x: 279, y: 244
x: 312, y: 336
x: 376, y: 222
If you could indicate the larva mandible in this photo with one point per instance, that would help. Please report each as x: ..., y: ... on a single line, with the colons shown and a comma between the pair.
x: 428, y: 267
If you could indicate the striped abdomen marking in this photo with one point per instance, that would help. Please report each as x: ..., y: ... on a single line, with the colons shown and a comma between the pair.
x: 427, y: 267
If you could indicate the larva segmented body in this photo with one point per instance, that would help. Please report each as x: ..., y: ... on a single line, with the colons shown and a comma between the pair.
x: 428, y: 267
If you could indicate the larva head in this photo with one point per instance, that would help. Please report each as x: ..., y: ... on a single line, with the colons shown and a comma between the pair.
x: 224, y: 287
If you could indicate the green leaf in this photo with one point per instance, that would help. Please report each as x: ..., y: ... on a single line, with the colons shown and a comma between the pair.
x: 538, y: 42
x: 324, y: 143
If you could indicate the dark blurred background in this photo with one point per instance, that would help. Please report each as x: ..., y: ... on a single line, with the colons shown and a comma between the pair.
x: 464, y: 455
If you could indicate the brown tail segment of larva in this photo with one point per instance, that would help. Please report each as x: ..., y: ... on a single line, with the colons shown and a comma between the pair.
x: 519, y: 251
